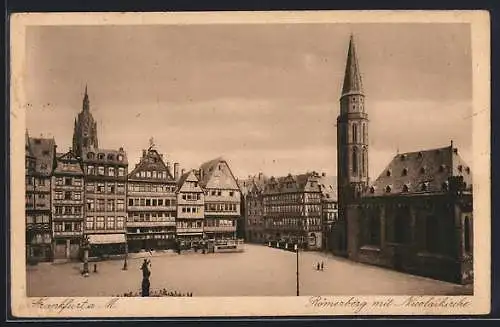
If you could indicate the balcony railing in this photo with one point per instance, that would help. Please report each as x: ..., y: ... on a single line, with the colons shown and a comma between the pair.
x: 219, y: 228
x: 66, y: 234
x: 152, y: 208
x: 189, y: 230
x: 150, y: 223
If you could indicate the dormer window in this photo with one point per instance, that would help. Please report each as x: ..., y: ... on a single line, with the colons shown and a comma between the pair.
x: 423, y: 170
x: 420, y: 155
x: 90, y: 155
x: 455, y: 151
x: 403, y: 157
x: 100, y: 156
x: 111, y: 157
x: 442, y: 168
x: 388, y: 173
x: 388, y: 189
x: 405, y: 171
x: 372, y: 189
x: 406, y: 188
x: 119, y: 157
x: 460, y: 168
x: 425, y: 186
x: 467, y: 170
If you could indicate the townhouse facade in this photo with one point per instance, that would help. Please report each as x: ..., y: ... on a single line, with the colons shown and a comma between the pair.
x: 190, y: 210
x: 151, y: 203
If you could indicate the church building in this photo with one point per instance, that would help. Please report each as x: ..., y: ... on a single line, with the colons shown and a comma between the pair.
x: 416, y: 216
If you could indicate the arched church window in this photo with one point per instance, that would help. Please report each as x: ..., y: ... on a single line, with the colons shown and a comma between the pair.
x: 405, y: 188
x: 90, y: 155
x: 100, y: 156
x: 355, y: 160
x: 388, y: 189
x: 355, y: 133
x: 363, y: 128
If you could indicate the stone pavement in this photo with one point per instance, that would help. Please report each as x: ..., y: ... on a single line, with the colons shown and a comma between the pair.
x: 259, y: 271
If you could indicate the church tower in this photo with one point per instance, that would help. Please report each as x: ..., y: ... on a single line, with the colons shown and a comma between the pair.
x: 352, y: 138
x: 85, y: 129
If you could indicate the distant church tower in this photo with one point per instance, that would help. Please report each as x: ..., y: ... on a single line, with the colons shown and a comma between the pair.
x: 85, y: 129
x: 352, y: 136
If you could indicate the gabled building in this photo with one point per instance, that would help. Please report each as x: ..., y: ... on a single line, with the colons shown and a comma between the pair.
x: 67, y: 206
x: 40, y: 154
x: 416, y: 217
x: 105, y: 174
x: 292, y: 210
x: 151, y: 203
x: 329, y: 211
x: 253, y: 208
x: 222, y: 199
x: 190, y: 210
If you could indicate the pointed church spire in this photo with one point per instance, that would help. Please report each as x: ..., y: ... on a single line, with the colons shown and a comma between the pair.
x: 352, y: 78
x: 86, y: 100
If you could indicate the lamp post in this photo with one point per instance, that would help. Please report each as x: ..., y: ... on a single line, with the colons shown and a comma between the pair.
x: 297, y: 252
x: 85, y: 247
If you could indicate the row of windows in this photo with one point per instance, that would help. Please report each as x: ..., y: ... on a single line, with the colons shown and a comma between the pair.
x: 406, y: 187
x: 99, y: 223
x: 67, y: 195
x: 45, y: 238
x: 106, y: 171
x: 189, y: 224
x: 67, y: 227
x: 105, y: 205
x: 219, y: 223
x: 42, y: 181
x: 151, y: 216
x: 39, y: 219
x: 191, y: 209
x: 210, y: 207
x: 191, y: 196
x: 146, y: 187
x: 68, y: 210
x: 143, y: 202
x: 293, y: 197
x: 109, y: 187
x: 102, y: 156
x: 69, y: 181
x: 293, y: 222
x: 293, y: 208
x: 152, y: 174
x: 220, y: 193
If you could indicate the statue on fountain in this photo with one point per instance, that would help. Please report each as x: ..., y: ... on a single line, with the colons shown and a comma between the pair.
x: 146, y: 272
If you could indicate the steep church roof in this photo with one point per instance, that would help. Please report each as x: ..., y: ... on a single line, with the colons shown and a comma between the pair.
x: 328, y: 185
x: 352, y: 78
x: 421, y: 172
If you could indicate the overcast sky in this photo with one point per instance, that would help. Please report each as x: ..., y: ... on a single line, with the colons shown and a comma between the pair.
x: 265, y: 97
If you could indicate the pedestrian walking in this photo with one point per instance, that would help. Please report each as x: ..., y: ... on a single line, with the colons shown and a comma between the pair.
x: 317, y: 266
x: 321, y: 265
x: 95, y: 267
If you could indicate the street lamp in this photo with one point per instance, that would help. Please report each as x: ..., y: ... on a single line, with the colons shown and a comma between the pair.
x: 85, y: 247
x: 297, y: 252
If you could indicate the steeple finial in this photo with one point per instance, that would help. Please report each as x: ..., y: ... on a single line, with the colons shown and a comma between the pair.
x: 352, y: 77
x: 86, y: 106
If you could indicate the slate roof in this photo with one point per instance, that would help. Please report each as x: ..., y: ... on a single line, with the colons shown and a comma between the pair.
x: 208, y: 168
x: 91, y: 155
x: 420, y: 172
x: 67, y: 163
x: 352, y: 78
x: 254, y: 183
x: 184, y: 176
x: 292, y: 183
x: 43, y: 150
x: 328, y: 185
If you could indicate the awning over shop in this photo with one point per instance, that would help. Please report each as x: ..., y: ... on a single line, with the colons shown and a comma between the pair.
x: 107, y: 238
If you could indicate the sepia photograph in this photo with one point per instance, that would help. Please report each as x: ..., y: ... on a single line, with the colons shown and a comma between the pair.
x: 331, y: 157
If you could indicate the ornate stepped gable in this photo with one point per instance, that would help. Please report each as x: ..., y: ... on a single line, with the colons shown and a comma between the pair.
x: 183, y: 186
x: 216, y: 174
x: 151, y: 161
x: 328, y: 186
x: 68, y: 163
x: 421, y: 172
x: 43, y: 150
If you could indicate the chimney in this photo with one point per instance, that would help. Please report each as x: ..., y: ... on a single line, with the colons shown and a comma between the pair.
x: 169, y: 167
x: 183, y: 171
x: 200, y: 173
x: 261, y: 175
x: 176, y: 171
x: 323, y: 174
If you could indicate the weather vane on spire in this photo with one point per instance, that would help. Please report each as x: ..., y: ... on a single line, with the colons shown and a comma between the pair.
x: 151, y: 143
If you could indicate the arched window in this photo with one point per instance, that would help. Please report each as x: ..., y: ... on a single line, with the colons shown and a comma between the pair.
x: 354, y: 133
x: 363, y: 129
x: 355, y: 160
x: 467, y: 235
x: 364, y: 162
